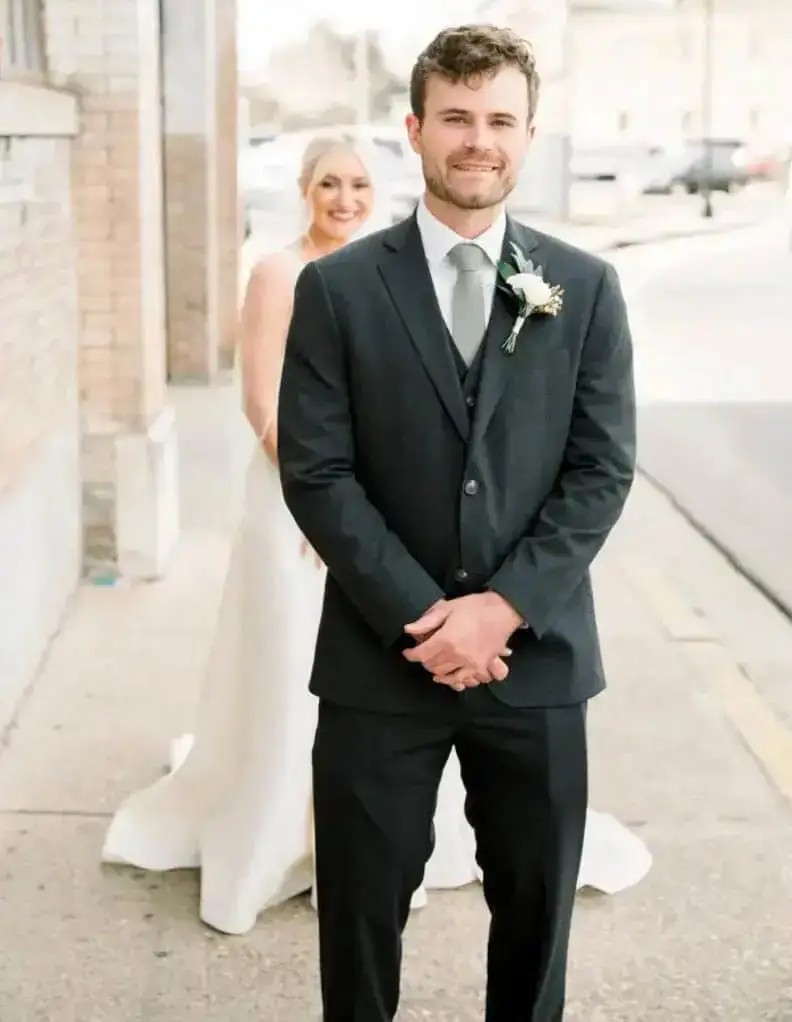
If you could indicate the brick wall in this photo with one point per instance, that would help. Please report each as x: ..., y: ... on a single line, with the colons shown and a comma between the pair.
x: 37, y: 299
x: 108, y: 52
x: 39, y: 427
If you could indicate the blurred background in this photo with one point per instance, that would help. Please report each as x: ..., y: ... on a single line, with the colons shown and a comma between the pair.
x: 149, y: 151
x: 639, y: 100
x: 148, y: 154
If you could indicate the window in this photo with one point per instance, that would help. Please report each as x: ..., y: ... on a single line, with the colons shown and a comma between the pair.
x: 21, y: 38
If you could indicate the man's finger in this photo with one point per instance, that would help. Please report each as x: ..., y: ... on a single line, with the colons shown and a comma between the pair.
x: 463, y: 677
x: 498, y: 669
x: 424, y: 652
x: 430, y: 621
x: 444, y: 669
x: 458, y: 684
x: 444, y: 662
x: 432, y: 650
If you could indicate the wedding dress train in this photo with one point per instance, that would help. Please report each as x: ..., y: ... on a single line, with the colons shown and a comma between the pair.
x: 236, y: 802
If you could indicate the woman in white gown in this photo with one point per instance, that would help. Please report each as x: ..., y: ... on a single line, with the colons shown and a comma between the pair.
x: 237, y: 801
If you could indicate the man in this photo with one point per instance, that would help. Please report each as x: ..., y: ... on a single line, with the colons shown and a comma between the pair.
x: 458, y: 488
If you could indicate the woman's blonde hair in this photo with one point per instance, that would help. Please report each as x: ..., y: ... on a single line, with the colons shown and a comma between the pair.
x: 320, y: 151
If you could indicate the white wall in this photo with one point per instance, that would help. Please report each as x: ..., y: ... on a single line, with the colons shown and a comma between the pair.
x: 40, y: 556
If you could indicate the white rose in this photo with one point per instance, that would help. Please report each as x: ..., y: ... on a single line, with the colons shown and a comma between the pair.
x: 535, y: 290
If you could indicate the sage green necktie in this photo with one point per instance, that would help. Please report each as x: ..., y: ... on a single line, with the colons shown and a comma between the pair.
x: 468, y: 315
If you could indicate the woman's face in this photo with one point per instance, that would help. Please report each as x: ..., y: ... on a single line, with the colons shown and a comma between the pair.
x: 342, y: 197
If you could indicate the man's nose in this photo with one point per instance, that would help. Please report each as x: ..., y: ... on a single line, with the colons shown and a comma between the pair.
x: 480, y: 137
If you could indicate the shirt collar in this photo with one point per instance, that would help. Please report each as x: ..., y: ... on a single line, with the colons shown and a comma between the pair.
x: 438, y: 240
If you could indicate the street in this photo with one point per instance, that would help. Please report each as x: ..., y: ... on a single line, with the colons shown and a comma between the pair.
x: 691, y: 746
x: 150, y: 155
x: 684, y: 750
x: 714, y: 375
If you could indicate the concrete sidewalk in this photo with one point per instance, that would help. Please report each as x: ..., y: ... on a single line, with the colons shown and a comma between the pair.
x: 655, y: 224
x: 687, y: 748
x: 600, y: 222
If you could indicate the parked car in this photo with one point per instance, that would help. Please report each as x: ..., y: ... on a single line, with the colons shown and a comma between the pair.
x: 716, y: 163
x: 652, y: 171
x: 763, y: 163
x: 788, y: 206
x: 607, y: 161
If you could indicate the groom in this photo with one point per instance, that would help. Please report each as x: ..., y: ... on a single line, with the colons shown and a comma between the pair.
x: 458, y: 493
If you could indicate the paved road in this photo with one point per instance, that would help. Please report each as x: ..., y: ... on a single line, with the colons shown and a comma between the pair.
x: 684, y: 749
x: 713, y: 326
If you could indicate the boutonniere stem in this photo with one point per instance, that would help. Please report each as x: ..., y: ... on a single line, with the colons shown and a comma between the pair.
x: 534, y: 295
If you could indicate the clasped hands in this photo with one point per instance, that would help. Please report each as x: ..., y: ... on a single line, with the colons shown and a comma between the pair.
x: 462, y: 643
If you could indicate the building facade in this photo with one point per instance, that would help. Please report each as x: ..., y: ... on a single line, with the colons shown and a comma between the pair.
x: 118, y: 262
x: 641, y: 72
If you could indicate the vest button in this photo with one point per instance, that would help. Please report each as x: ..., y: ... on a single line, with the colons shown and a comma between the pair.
x: 470, y: 401
x: 461, y: 575
x: 471, y: 487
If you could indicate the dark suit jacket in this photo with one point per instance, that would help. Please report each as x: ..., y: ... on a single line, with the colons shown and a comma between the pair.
x: 407, y: 498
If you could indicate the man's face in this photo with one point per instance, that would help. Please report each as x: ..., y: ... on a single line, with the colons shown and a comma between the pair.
x: 474, y: 137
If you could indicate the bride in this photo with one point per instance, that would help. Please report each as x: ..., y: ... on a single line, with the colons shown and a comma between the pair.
x: 237, y: 801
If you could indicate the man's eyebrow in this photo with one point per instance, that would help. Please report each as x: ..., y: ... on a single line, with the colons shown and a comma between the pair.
x: 461, y: 110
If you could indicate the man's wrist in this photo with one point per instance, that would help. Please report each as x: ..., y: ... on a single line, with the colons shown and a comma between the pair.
x: 513, y: 616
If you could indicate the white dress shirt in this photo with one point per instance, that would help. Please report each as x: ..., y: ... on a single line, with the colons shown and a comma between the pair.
x: 438, y: 240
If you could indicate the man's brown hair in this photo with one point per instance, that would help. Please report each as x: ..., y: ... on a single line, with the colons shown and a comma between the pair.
x: 470, y: 51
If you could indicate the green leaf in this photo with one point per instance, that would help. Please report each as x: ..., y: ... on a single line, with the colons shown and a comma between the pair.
x: 519, y: 258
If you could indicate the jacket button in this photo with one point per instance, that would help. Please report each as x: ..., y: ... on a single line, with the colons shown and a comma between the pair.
x: 460, y: 575
x: 471, y: 487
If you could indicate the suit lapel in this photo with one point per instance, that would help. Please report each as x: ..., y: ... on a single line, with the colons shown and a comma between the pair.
x: 407, y: 278
x: 496, y: 364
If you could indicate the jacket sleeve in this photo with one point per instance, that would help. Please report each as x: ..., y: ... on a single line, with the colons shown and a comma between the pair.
x: 316, y: 450
x: 596, y: 475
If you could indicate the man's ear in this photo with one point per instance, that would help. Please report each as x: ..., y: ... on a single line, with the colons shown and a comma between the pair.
x: 413, y: 124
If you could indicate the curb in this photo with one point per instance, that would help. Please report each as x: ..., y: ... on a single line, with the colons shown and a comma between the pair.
x: 675, y: 235
x: 736, y: 562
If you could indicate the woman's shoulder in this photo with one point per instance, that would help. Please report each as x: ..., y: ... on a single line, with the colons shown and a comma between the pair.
x: 277, y: 269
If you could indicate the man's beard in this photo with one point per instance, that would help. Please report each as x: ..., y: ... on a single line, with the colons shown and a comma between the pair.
x: 501, y: 188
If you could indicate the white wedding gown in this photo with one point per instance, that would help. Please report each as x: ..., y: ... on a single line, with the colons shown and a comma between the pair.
x: 237, y: 800
x: 238, y: 805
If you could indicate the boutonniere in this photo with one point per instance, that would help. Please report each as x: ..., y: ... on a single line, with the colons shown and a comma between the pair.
x: 534, y: 295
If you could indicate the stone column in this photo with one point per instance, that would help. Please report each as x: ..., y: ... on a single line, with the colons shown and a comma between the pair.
x: 108, y: 52
x: 202, y: 210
